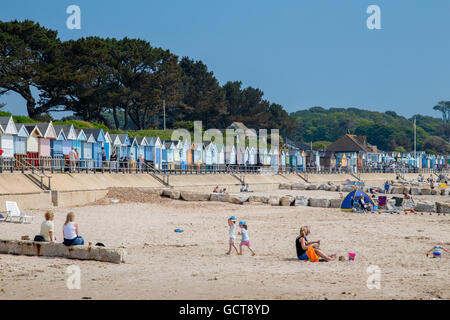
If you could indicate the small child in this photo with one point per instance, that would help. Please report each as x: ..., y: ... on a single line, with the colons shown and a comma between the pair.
x: 437, y: 250
x: 232, y: 225
x: 245, y: 241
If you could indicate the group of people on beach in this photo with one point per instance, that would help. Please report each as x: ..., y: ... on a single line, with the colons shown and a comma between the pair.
x: 245, y: 240
x: 70, y: 230
x: 217, y: 190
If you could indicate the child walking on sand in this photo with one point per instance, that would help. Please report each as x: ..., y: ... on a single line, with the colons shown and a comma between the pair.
x: 232, y: 225
x: 437, y: 250
x: 245, y: 241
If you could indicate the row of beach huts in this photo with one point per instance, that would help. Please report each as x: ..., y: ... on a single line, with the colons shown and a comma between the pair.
x: 48, y: 145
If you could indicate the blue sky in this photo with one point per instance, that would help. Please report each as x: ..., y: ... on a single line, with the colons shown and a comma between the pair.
x: 301, y: 53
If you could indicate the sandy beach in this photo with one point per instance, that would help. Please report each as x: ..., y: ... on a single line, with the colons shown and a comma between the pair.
x: 163, y: 264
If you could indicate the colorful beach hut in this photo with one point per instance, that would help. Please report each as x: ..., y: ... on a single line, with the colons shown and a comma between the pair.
x: 77, y: 143
x: 20, y: 143
x: 97, y: 145
x: 32, y: 146
x: 230, y: 154
x: 7, y: 132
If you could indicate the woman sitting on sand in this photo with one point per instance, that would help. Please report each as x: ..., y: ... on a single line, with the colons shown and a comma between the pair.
x: 307, y: 250
x: 70, y: 231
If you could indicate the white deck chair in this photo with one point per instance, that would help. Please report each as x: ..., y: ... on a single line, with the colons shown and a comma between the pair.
x: 13, y: 212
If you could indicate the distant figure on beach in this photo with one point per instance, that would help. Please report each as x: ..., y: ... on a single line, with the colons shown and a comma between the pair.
x: 244, y: 188
x: 103, y: 155
x: 307, y: 250
x: 245, y: 241
x: 77, y: 158
x: 341, y: 196
x: 72, y: 159
x: 216, y: 189
x: 224, y: 190
x: 47, y: 229
x: 232, y: 234
x: 70, y: 231
x: 437, y: 250
x: 362, y: 202
x: 386, y: 187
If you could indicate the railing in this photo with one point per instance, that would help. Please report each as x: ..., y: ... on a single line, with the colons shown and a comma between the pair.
x: 61, y: 165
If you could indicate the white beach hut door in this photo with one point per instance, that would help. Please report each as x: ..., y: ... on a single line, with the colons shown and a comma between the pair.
x: 7, y: 143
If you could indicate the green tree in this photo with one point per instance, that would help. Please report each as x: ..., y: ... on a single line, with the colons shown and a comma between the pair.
x: 202, y: 94
x: 27, y: 59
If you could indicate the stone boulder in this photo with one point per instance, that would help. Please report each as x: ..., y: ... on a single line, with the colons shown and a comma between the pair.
x: 423, y: 206
x: 155, y: 191
x: 274, y: 200
x: 347, y: 188
x: 322, y: 187
x: 172, y: 194
x: 311, y: 187
x: 298, y: 186
x: 443, y: 207
x: 335, y: 203
x: 258, y: 199
x: 320, y: 203
x: 194, y: 196
x: 286, y: 200
x: 434, y: 192
x: 301, y: 201
x: 238, y: 198
x: 220, y: 197
x: 397, y: 190
x: 415, y: 191
x: 285, y: 186
x: 425, y: 191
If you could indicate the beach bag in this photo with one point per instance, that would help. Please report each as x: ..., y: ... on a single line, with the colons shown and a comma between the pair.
x: 312, y: 255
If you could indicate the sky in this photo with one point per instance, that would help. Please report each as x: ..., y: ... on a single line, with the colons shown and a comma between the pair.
x: 300, y: 53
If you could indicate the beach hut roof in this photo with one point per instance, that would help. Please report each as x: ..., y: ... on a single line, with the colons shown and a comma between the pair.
x: 7, y: 125
x: 33, y: 129
x: 98, y: 134
x: 168, y: 144
x: 107, y: 137
x: 47, y: 130
x: 60, y: 135
x: 115, y: 140
x: 142, y: 141
x: 81, y: 135
x: 22, y: 130
x: 68, y: 129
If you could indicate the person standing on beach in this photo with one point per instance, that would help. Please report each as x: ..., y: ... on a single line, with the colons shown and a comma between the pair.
x: 72, y: 159
x: 77, y: 158
x: 245, y: 241
x: 232, y: 233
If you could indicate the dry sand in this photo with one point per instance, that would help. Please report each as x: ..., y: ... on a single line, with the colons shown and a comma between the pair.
x: 163, y: 264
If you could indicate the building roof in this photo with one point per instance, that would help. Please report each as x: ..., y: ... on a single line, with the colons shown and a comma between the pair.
x: 351, y: 143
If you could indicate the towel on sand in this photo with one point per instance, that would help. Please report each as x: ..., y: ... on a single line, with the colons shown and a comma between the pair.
x: 312, y: 255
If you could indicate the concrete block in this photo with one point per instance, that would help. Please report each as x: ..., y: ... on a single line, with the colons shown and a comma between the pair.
x: 47, y: 249
x: 287, y: 200
x: 321, y: 203
x: 194, y: 196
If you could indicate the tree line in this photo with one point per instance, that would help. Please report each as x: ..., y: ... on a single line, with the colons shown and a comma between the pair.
x: 124, y: 83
